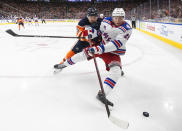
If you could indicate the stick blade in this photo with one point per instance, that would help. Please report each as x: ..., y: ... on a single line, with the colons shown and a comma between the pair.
x: 9, y: 31
x: 120, y: 123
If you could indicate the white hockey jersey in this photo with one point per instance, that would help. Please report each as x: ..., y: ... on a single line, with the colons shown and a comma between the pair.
x: 114, y: 38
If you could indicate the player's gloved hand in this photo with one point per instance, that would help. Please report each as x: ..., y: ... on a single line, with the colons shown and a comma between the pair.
x: 91, y: 51
x: 96, y: 41
x: 96, y: 50
x: 88, y: 34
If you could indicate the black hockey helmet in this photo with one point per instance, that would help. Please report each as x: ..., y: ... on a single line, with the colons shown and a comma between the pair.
x: 92, y: 11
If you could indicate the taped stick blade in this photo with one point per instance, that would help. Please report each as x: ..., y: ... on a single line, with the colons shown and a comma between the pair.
x: 120, y: 123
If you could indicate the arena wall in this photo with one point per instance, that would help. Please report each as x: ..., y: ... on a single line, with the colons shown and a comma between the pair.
x: 169, y: 33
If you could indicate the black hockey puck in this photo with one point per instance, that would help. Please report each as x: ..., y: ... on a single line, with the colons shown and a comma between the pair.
x: 146, y: 114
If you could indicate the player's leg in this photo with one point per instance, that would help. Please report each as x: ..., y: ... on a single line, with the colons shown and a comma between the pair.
x: 113, y: 65
x: 84, y: 55
x: 23, y: 25
x: 78, y: 47
x: 112, y: 78
x: 133, y: 26
x: 71, y: 61
x: 19, y: 25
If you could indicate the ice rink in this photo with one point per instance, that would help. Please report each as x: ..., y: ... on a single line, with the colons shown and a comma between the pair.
x: 32, y: 98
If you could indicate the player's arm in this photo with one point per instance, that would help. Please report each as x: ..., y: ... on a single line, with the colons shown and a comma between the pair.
x: 81, y: 27
x: 96, y: 40
x: 113, y: 45
x: 120, y: 41
x: 80, y: 30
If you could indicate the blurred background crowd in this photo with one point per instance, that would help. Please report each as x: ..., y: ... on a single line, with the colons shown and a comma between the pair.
x: 158, y: 10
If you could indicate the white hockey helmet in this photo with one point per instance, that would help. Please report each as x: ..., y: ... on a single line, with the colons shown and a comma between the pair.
x: 118, y: 12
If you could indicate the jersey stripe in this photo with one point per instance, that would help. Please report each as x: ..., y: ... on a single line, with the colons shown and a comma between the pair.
x: 123, y: 28
x: 70, y: 61
x: 110, y: 82
x: 106, y: 22
x: 117, y: 43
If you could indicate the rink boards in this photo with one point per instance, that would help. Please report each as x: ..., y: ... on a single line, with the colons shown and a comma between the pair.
x: 167, y: 32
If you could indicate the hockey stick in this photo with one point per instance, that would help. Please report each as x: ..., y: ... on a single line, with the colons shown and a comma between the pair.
x: 116, y: 121
x: 9, y: 31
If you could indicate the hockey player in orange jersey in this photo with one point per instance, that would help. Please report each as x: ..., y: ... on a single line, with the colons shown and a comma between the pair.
x: 20, y: 22
x: 91, y: 20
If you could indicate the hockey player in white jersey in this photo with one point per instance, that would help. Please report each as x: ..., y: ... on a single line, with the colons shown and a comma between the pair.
x: 115, y: 33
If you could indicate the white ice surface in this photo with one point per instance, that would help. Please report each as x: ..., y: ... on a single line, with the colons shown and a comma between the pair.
x: 33, y: 99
